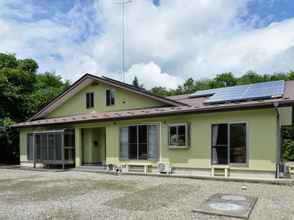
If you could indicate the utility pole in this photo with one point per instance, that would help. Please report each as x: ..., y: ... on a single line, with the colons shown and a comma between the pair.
x: 123, y: 3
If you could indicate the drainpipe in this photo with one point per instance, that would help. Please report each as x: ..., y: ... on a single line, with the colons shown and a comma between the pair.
x: 276, y: 105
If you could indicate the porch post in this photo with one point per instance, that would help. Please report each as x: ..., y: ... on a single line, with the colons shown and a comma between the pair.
x: 34, y: 150
x: 78, y: 147
x: 62, y: 149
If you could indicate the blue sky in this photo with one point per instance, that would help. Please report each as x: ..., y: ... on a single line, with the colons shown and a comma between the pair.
x: 169, y: 40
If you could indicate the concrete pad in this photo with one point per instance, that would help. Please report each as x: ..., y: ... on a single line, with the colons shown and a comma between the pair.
x: 238, y: 206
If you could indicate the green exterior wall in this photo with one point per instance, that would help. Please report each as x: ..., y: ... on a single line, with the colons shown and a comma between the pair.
x: 123, y: 100
x: 93, y: 145
x: 261, y: 139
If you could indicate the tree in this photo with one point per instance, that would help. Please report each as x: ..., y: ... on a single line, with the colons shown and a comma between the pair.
x: 136, y: 83
x: 251, y: 77
x: 288, y: 143
x: 225, y: 79
x: 22, y: 92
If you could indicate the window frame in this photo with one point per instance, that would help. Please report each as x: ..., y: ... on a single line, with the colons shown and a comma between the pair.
x: 110, y: 101
x: 158, y: 141
x: 93, y: 101
x: 187, y: 135
x: 246, y: 163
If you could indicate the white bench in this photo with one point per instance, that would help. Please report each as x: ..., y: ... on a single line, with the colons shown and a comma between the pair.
x: 225, y: 168
x: 144, y: 165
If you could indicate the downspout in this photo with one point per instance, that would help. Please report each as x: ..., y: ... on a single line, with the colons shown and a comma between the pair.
x: 278, y: 159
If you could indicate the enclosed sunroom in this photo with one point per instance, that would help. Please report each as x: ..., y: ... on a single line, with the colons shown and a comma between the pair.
x: 52, y: 147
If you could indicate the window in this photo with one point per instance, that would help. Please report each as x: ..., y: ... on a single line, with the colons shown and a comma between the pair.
x: 139, y: 142
x: 30, y: 149
x: 90, y: 99
x: 229, y: 143
x: 48, y: 145
x: 110, y: 97
x: 178, y: 135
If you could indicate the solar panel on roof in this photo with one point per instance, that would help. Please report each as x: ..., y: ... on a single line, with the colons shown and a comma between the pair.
x: 244, y: 92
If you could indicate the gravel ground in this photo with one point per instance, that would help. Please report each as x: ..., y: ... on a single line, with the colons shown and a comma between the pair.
x: 80, y: 195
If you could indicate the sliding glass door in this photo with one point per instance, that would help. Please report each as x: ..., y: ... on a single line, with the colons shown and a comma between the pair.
x: 139, y: 142
x: 229, y: 143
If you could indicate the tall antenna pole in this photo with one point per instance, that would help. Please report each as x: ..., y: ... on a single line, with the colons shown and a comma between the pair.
x: 123, y: 44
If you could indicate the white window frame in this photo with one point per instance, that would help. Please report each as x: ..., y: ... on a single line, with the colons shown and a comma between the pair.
x: 158, y: 144
x: 187, y: 138
x: 246, y: 163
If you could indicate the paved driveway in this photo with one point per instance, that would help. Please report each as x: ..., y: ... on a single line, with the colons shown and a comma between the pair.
x: 77, y: 195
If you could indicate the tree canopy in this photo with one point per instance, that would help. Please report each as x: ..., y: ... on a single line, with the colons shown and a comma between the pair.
x: 22, y: 92
x: 221, y: 80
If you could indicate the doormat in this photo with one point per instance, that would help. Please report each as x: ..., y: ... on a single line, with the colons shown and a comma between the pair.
x: 238, y: 206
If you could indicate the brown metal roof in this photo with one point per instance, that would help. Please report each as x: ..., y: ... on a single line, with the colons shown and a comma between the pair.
x: 196, y: 105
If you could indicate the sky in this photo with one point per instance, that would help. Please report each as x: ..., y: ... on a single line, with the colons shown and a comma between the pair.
x: 166, y: 41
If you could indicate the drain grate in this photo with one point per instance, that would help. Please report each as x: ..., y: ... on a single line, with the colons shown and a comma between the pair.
x: 239, y: 206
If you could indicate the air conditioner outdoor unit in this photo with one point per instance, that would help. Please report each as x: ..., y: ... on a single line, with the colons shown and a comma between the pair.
x: 164, y: 167
x: 282, y: 170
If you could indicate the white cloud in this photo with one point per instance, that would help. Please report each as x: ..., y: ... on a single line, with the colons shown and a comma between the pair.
x: 172, y: 42
x: 150, y: 75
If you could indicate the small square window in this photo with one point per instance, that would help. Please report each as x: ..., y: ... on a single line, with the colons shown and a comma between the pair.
x: 110, y: 97
x: 178, y: 134
x: 90, y: 100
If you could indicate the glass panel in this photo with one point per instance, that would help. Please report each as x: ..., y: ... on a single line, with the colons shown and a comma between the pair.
x: 112, y: 97
x: 220, y: 144
x: 238, y: 143
x: 142, y: 134
x: 133, y: 151
x: 69, y: 138
x: 43, y: 147
x: 51, y: 147
x: 58, y: 145
x: 220, y: 155
x: 133, y: 134
x: 30, y: 146
x: 124, y: 132
x: 143, y: 151
x: 181, y: 135
x: 220, y: 134
x: 173, y: 137
x: 38, y: 146
x: 153, y: 141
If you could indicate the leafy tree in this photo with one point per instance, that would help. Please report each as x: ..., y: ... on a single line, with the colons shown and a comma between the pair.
x: 22, y: 92
x: 250, y: 77
x: 288, y: 143
x: 136, y: 83
x: 225, y: 79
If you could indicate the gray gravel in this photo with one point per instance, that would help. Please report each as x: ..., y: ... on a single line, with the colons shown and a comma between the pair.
x: 77, y: 195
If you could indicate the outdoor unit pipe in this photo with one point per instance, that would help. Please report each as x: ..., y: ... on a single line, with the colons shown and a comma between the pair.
x: 276, y: 105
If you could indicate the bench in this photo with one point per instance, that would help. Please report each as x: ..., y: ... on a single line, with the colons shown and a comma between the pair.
x: 146, y: 166
x: 224, y: 168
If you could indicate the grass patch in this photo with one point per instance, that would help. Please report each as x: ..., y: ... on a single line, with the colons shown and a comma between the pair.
x: 152, y: 198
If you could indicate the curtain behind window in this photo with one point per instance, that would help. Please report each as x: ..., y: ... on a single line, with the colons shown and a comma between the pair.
x: 124, y: 143
x: 153, y: 142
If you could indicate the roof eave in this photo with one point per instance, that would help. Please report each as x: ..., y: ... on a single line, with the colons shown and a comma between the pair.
x: 282, y: 103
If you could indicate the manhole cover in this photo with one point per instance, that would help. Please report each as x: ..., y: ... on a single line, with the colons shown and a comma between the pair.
x: 228, y: 205
x: 233, y: 197
x: 224, y: 206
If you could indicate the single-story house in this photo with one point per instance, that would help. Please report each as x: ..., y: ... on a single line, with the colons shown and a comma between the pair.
x: 100, y: 121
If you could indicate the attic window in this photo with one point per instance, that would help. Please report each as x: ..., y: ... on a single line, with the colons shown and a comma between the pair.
x: 90, y: 100
x: 110, y: 97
